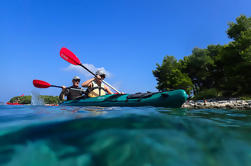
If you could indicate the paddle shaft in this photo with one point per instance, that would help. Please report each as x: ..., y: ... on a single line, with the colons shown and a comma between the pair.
x: 67, y: 88
x: 56, y: 86
x: 96, y: 76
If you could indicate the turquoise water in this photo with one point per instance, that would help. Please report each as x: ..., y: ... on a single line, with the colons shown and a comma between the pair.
x: 147, y: 136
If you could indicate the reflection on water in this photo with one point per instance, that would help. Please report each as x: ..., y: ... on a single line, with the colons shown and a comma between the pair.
x: 124, y: 136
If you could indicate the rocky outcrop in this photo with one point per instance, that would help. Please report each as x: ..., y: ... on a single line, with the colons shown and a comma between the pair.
x: 220, y: 104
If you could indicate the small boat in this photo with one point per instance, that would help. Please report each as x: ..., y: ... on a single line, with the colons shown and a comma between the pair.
x: 8, y: 103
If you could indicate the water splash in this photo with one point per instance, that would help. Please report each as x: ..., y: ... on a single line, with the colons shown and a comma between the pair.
x: 36, y: 99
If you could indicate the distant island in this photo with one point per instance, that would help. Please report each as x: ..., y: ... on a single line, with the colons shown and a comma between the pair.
x: 52, y: 100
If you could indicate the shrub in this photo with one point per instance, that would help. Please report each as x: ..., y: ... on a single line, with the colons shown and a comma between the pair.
x: 206, y: 94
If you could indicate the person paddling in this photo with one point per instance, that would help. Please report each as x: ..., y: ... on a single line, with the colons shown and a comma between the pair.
x: 73, y: 91
x: 95, y: 86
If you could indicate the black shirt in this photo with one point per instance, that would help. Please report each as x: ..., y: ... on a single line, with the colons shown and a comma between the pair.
x: 73, y: 94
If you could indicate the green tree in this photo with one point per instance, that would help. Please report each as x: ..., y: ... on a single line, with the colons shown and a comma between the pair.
x: 198, y: 66
x: 169, y: 76
x: 216, y: 72
x: 235, y: 58
x: 236, y: 30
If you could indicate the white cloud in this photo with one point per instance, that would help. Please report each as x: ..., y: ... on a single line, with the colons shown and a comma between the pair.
x: 82, y: 71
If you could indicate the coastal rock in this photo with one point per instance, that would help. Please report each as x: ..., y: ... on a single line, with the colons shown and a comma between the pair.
x: 247, y: 107
x: 229, y: 106
x: 199, y: 104
x: 222, y: 104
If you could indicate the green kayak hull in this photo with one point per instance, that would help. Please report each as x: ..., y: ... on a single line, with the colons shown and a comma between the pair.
x: 170, y: 99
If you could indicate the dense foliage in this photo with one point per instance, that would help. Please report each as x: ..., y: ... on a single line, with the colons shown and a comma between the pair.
x: 27, y: 99
x: 21, y: 99
x: 50, y: 99
x: 218, y: 70
x: 169, y: 76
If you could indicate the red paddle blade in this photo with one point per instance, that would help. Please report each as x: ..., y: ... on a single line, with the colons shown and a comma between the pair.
x: 69, y: 56
x: 41, y: 84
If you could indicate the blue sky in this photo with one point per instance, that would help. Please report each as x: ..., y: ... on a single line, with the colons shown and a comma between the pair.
x: 125, y: 37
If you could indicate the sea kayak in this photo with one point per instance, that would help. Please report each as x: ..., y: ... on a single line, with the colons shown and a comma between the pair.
x: 170, y: 99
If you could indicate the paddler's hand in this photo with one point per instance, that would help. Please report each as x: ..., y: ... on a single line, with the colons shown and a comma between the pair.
x: 63, y: 88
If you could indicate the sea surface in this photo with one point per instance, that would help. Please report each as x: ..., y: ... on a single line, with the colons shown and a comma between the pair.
x: 123, y: 136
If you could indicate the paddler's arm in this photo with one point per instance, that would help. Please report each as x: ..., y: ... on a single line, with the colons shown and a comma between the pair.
x: 108, y: 90
x: 62, y: 94
x: 87, y: 83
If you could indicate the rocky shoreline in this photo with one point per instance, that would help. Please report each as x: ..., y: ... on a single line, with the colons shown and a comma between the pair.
x: 218, y: 104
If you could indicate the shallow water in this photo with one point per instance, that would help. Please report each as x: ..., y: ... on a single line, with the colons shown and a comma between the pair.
x: 147, y: 136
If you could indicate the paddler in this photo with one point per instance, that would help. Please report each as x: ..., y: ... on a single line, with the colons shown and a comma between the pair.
x: 95, y: 86
x: 73, y: 91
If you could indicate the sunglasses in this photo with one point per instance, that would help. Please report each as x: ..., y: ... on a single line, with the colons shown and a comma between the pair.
x: 102, y: 76
x: 76, y: 80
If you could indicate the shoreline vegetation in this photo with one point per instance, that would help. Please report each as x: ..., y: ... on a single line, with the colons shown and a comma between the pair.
x: 47, y: 100
x: 216, y: 72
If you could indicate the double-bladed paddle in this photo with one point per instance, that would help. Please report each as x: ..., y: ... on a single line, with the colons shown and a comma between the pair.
x: 67, y: 55
x: 43, y: 84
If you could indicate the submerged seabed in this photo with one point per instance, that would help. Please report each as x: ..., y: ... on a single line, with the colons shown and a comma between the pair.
x: 149, y: 136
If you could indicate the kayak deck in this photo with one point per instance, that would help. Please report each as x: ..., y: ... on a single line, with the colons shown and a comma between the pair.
x: 171, y: 99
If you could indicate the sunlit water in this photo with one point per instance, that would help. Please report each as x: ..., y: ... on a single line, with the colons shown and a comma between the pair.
x: 113, y: 136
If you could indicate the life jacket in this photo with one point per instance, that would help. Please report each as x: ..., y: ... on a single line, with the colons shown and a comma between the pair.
x: 96, y: 90
x: 72, y: 94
